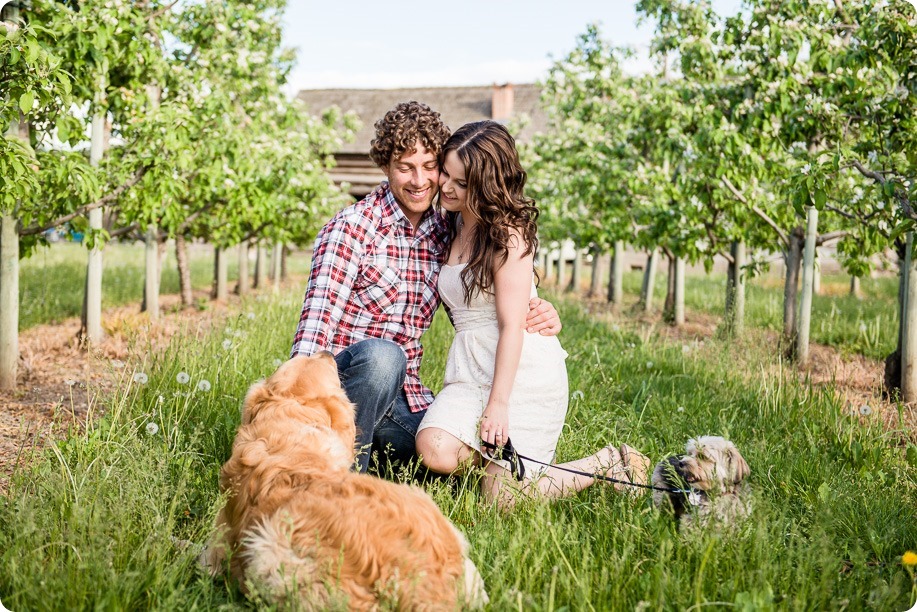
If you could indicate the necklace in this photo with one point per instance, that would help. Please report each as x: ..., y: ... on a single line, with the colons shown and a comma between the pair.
x: 462, y: 240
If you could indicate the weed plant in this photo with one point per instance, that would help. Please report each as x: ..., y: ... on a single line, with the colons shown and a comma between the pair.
x: 113, y: 516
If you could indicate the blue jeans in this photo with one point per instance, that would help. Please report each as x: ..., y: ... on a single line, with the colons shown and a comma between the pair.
x: 372, y: 373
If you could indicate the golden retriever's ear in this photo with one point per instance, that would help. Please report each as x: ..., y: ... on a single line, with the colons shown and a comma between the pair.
x: 254, y: 400
x: 739, y: 465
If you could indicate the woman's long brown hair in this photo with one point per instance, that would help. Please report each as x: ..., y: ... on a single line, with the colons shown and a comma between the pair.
x: 495, y: 198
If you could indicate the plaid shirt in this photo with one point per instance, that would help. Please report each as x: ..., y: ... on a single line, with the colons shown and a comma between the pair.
x: 374, y: 276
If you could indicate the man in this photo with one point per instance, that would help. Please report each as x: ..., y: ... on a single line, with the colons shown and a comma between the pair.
x: 372, y: 288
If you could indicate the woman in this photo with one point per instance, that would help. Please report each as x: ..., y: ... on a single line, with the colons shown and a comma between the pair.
x: 501, y: 382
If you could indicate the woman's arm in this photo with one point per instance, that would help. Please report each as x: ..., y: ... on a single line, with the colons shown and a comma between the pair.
x: 512, y: 288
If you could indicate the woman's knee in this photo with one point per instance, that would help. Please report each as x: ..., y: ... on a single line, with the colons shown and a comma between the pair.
x: 437, y: 451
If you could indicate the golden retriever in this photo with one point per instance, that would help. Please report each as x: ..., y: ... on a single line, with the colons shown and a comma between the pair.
x: 298, y: 523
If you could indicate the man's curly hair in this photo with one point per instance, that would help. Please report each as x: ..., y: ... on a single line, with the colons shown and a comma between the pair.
x: 402, y: 128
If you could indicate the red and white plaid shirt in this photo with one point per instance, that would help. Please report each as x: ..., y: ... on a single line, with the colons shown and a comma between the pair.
x: 374, y: 276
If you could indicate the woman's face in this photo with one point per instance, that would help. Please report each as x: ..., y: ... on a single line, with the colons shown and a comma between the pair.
x: 452, y: 185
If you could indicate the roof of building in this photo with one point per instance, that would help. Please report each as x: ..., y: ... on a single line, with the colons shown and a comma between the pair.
x: 457, y: 105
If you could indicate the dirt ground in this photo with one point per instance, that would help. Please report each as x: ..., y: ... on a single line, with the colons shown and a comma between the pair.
x: 60, y: 384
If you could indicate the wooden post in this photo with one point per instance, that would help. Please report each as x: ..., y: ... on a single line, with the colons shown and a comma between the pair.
x: 679, y: 291
x: 93, y: 302
x: 242, y: 286
x: 151, y: 273
x: 275, y: 260
x: 808, y: 274
x: 220, y: 265
x: 909, y: 317
x: 616, y: 283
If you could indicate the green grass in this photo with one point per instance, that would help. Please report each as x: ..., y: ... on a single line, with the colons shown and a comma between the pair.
x: 89, y: 526
x: 51, y: 282
x: 866, y: 326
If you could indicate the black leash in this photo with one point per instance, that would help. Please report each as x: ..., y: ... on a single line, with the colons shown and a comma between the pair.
x: 518, y: 469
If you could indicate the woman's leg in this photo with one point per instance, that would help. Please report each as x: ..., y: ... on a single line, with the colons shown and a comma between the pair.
x: 500, y: 486
x: 442, y: 452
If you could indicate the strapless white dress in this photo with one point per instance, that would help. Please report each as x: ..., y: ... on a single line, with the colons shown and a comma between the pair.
x: 538, y: 402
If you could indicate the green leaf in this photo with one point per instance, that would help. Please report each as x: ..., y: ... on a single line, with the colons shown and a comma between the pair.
x: 26, y: 101
x: 14, y: 56
x: 820, y: 199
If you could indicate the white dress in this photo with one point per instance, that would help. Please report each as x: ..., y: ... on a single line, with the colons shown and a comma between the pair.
x: 538, y: 401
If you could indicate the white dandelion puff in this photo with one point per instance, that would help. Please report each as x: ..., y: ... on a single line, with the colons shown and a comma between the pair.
x: 117, y: 364
x: 141, y: 378
x: 577, y: 395
x: 865, y: 410
x: 681, y: 409
x: 251, y: 316
x: 227, y: 344
x: 70, y: 382
x: 203, y: 385
x: 183, y: 378
x: 152, y: 428
x: 649, y: 365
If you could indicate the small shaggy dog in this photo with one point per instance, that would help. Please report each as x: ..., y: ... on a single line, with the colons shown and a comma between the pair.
x: 297, y: 522
x: 714, y: 472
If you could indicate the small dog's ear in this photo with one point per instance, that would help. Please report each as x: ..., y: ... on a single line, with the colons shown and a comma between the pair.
x: 739, y: 465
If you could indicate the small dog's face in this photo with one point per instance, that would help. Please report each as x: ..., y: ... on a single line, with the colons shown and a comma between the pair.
x: 713, y: 464
x: 306, y: 389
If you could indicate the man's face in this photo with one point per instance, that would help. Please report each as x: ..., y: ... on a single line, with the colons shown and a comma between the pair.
x: 414, y: 179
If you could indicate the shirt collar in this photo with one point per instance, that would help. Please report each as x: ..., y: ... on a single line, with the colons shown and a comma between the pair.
x: 392, y: 213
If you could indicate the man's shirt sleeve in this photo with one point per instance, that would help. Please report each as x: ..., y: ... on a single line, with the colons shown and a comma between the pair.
x: 335, y: 264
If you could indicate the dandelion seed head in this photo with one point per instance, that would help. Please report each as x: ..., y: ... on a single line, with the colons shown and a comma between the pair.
x: 227, y: 344
x: 251, y: 316
x: 141, y: 378
x: 577, y: 395
x: 865, y: 410
x: 152, y: 428
x: 70, y: 382
x: 183, y: 378
x: 117, y: 364
x: 203, y: 385
x: 681, y: 409
x: 649, y: 365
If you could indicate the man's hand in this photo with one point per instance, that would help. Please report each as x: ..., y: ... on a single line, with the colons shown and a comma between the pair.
x: 542, y: 318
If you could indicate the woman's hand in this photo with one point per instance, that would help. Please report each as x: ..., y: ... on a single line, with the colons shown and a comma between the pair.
x: 495, y: 425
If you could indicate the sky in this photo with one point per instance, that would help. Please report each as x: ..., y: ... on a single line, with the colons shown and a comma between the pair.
x: 392, y: 43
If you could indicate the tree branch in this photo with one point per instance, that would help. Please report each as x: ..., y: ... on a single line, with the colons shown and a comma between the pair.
x: 111, y: 197
x: 741, y: 198
x: 823, y: 238
x: 902, y: 199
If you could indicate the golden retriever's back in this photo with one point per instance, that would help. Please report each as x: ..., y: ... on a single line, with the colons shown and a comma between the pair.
x: 298, y: 522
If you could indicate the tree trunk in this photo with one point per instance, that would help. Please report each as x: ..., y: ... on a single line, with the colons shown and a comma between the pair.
x: 561, y: 267
x: 735, y: 290
x: 595, y: 279
x: 184, y: 271
x: 649, y: 281
x: 260, y: 267
x: 9, y: 301
x: 855, y: 290
x: 220, y: 285
x: 808, y: 281
x: 793, y: 258
x: 284, y: 251
x: 276, y: 257
x: 150, y: 303
x: 576, y: 279
x: 92, y: 312
x: 242, y: 285
x: 668, y: 306
x: 616, y: 282
x: 816, y: 275
x: 892, y: 388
